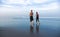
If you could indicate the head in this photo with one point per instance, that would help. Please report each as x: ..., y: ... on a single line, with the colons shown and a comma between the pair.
x: 36, y: 12
x: 31, y: 10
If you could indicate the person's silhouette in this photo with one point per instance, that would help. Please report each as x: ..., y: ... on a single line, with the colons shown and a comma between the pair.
x: 37, y: 28
x: 31, y: 15
x: 37, y: 17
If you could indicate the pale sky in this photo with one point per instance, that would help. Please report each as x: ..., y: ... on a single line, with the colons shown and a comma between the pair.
x: 11, y: 7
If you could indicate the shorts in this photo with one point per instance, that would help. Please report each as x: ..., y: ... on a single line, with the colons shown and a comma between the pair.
x: 31, y: 18
x: 37, y: 19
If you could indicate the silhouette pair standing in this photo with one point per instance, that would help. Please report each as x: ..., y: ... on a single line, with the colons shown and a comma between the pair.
x: 32, y: 20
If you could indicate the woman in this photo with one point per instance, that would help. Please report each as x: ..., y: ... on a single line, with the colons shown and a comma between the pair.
x: 37, y: 17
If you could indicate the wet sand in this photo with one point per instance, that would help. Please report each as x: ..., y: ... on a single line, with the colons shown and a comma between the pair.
x: 22, y: 28
x: 32, y: 32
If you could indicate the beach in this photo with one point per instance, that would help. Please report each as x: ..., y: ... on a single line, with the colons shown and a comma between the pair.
x: 20, y: 27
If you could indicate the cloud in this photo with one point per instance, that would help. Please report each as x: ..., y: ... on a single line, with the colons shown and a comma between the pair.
x: 22, y: 7
x: 7, y: 9
x: 26, y: 2
x: 51, y: 6
x: 15, y: 1
x: 44, y: 1
x: 21, y: 2
x: 40, y: 1
x: 30, y: 4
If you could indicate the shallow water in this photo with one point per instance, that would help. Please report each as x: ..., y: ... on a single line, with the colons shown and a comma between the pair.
x: 20, y: 27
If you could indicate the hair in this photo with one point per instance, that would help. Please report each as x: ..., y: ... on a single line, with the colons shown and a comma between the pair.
x: 36, y: 12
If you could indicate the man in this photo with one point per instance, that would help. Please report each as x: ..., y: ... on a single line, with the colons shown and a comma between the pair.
x: 31, y: 16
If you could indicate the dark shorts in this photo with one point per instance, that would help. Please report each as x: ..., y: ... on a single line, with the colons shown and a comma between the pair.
x: 31, y: 18
x: 37, y: 19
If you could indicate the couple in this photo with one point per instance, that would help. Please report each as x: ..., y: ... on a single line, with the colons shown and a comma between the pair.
x: 31, y: 18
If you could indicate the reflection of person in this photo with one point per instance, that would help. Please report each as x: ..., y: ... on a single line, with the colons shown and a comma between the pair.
x: 31, y: 29
x: 31, y: 16
x: 37, y: 17
x: 37, y: 28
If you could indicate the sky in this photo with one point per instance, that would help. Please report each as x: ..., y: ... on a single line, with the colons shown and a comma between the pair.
x: 46, y: 8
